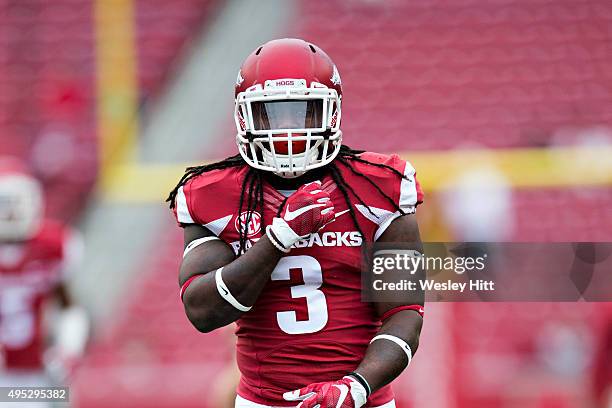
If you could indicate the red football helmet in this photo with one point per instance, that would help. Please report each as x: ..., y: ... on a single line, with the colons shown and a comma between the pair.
x: 21, y: 202
x: 288, y: 108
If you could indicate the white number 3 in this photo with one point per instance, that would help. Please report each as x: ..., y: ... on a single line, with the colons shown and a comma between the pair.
x: 315, y: 299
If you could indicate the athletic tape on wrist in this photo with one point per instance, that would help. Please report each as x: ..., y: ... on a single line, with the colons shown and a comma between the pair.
x: 274, y: 240
x: 226, y: 294
x: 403, y: 345
x: 283, y: 233
x: 361, y: 380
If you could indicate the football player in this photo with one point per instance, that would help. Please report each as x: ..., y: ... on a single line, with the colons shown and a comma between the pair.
x: 35, y: 256
x: 273, y: 240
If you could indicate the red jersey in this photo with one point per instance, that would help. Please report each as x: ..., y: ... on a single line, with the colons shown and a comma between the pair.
x: 309, y: 324
x: 29, y: 273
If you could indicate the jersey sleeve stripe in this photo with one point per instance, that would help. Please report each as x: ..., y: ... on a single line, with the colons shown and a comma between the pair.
x: 409, y: 197
x: 385, y: 224
x: 182, y: 210
x: 408, y: 190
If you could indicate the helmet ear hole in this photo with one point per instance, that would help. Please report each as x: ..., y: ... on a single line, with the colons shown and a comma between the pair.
x: 258, y: 50
x: 312, y: 48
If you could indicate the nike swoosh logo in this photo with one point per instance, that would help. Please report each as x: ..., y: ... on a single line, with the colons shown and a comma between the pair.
x: 335, y: 217
x: 340, y: 213
x: 343, y: 392
x: 291, y: 215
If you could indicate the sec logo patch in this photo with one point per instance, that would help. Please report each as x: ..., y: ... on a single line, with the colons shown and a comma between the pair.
x: 254, y: 226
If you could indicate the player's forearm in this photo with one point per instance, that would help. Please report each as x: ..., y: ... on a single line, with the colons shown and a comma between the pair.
x: 245, y: 277
x: 248, y: 275
x: 385, y: 360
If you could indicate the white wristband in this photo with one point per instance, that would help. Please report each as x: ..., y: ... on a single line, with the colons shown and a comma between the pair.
x: 404, y: 346
x: 197, y: 242
x: 226, y: 294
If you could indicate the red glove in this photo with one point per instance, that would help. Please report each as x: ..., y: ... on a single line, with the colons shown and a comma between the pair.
x: 306, y: 211
x: 345, y: 393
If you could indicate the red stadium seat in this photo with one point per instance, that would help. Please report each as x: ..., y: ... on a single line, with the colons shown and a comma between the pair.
x: 446, y: 61
x: 47, y: 50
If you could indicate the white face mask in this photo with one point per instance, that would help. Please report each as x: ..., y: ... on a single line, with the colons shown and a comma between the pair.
x: 288, y: 128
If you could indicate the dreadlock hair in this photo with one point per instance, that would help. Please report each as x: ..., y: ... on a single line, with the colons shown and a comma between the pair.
x: 252, y: 187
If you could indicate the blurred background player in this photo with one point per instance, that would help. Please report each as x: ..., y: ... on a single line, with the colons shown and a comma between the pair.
x: 36, y: 257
